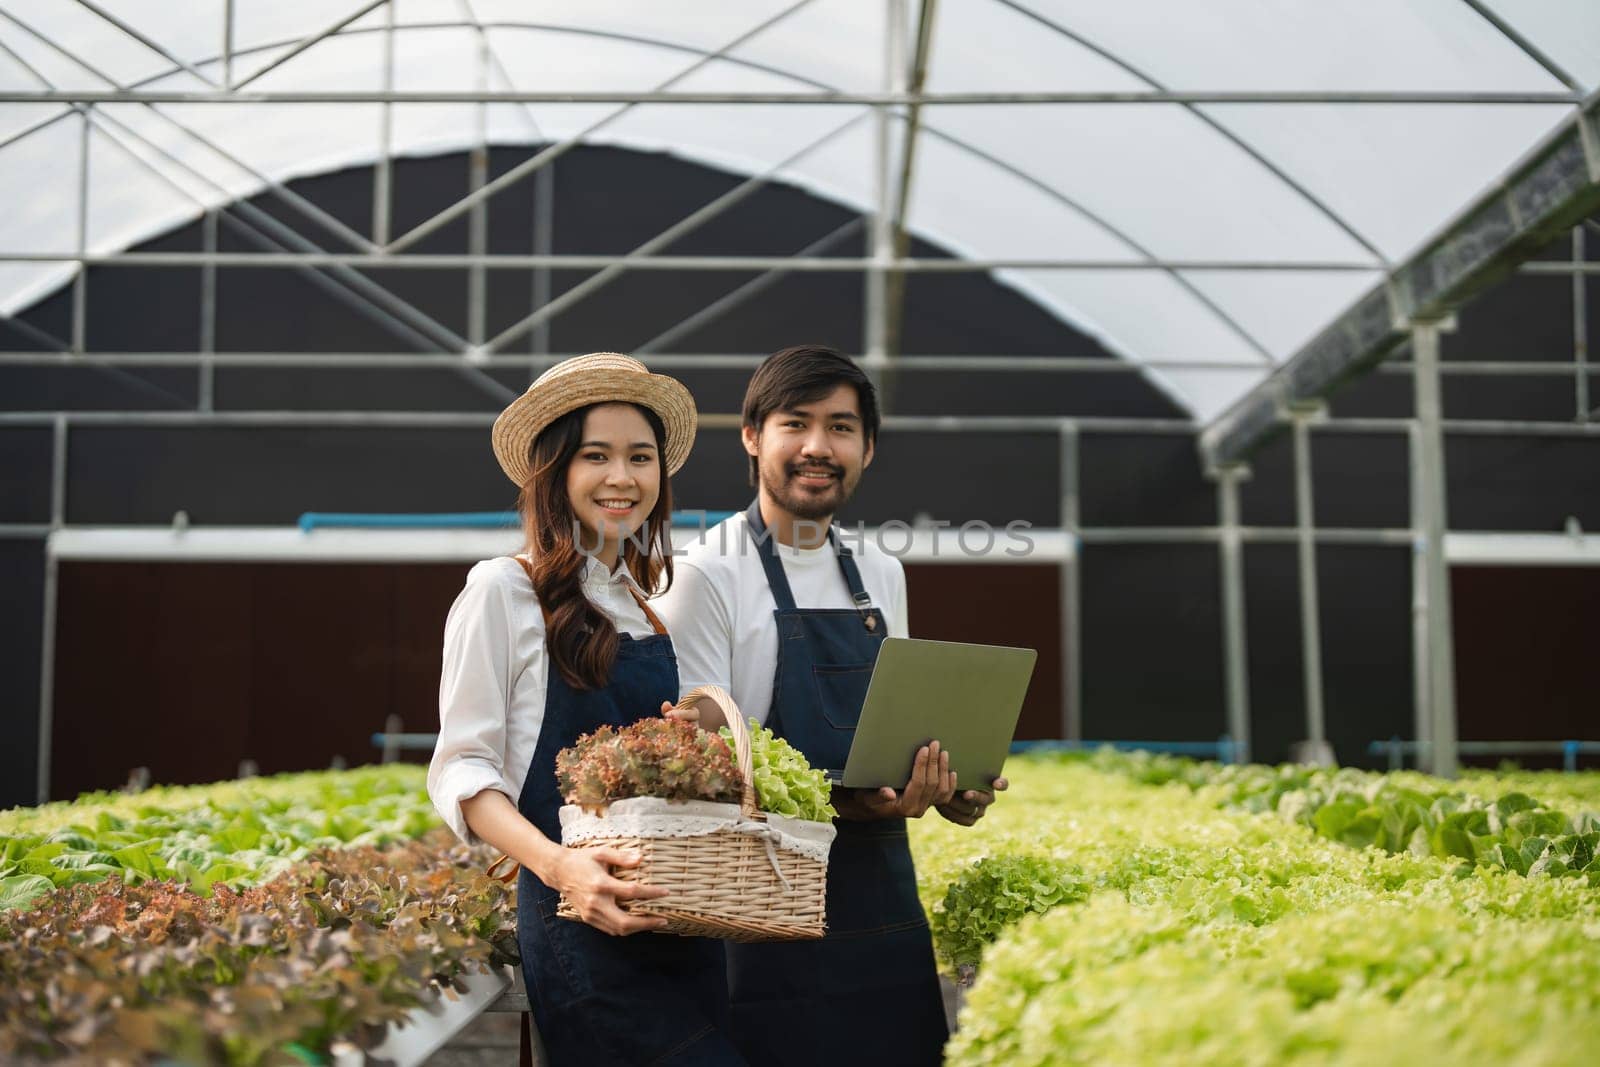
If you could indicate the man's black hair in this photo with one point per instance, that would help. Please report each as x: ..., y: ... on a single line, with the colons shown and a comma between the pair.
x: 805, y: 374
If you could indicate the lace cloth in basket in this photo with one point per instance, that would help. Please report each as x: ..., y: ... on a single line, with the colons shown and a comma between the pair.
x: 652, y: 817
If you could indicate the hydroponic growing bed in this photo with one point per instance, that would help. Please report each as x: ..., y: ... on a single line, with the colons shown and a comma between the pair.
x: 299, y: 919
x: 1128, y: 909
x: 1114, y: 908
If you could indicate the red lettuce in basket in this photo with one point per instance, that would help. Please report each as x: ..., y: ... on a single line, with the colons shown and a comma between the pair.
x: 653, y: 757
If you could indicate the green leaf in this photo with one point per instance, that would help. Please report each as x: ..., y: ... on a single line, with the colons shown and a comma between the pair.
x: 21, y: 890
x: 1512, y: 803
x: 136, y: 858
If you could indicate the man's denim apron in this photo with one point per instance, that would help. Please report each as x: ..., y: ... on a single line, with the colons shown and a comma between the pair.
x: 599, y: 999
x: 867, y: 993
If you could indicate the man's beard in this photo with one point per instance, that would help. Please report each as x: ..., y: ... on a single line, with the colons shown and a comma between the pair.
x: 813, y: 507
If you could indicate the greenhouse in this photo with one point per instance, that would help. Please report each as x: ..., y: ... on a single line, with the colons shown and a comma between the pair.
x: 1233, y: 357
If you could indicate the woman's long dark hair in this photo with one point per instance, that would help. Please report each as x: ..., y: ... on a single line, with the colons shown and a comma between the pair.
x: 581, y: 639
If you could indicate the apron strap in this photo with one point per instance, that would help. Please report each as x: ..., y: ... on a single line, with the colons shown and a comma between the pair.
x: 777, y: 581
x: 655, y: 622
x: 782, y: 596
x: 852, y: 578
x: 654, y: 619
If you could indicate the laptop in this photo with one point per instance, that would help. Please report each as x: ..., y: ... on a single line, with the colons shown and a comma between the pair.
x: 967, y: 697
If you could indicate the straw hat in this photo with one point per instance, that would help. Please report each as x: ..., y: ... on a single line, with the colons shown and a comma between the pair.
x: 598, y: 378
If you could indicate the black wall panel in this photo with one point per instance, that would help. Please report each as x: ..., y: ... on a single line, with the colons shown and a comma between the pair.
x: 94, y: 386
x: 1266, y: 498
x: 1152, y: 643
x: 956, y: 477
x: 21, y: 630
x: 344, y: 388
x: 1359, y: 479
x: 25, y: 461
x: 1365, y: 595
x: 1520, y: 317
x: 1026, y: 393
x: 249, y: 475
x: 1522, y: 483
x: 1143, y: 480
x: 1378, y: 395
x: 1542, y: 397
x: 1274, y: 650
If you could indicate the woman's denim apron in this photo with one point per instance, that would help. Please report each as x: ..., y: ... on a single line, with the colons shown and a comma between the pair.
x: 867, y: 993
x: 599, y: 999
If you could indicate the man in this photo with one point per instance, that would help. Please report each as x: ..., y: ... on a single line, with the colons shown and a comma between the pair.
x: 774, y: 608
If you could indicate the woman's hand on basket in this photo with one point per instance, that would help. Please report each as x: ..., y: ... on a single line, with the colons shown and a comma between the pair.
x: 584, y: 877
x: 704, y: 713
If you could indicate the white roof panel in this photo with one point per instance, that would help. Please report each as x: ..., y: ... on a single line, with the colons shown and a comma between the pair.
x: 1356, y: 184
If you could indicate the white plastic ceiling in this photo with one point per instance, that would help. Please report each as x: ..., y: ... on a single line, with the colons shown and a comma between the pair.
x: 1294, y: 183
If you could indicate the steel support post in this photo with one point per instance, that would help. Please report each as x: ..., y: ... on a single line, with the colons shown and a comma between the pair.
x: 478, y: 217
x: 1310, y: 615
x: 1580, y: 326
x: 1235, y: 655
x: 383, y: 166
x: 874, y: 342
x: 227, y: 45
x: 1071, y: 591
x: 1435, y: 523
x: 80, y: 282
x: 208, y: 314
x: 1422, y: 703
x: 47, y: 642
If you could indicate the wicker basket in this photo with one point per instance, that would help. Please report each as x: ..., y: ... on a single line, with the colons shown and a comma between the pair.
x: 733, y: 883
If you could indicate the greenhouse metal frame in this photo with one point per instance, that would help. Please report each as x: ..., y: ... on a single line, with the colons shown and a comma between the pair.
x: 1548, y: 190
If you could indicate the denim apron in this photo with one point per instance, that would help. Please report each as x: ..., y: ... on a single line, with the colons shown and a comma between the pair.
x: 868, y: 992
x: 599, y: 999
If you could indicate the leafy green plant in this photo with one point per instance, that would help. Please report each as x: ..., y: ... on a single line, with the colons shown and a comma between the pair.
x: 664, y: 758
x: 1396, y: 813
x: 786, y: 784
x: 1211, y: 933
x: 232, y: 833
x: 993, y: 894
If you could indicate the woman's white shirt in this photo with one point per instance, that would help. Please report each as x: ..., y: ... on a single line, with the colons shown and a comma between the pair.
x: 493, y: 682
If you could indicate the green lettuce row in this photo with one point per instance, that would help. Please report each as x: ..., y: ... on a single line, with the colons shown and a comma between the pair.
x: 1396, y: 813
x: 1216, y: 935
x: 1116, y: 981
x: 1572, y: 793
x: 231, y: 833
x: 1117, y: 835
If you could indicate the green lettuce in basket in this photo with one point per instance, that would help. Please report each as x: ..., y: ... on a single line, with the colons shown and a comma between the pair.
x: 785, y: 783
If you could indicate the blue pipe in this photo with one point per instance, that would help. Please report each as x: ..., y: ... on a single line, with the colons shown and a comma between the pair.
x: 1397, y: 749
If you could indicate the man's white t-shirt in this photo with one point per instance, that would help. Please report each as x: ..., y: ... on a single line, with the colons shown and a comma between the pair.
x: 719, y: 609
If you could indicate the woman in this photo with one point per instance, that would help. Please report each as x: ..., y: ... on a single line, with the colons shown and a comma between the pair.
x: 549, y: 645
